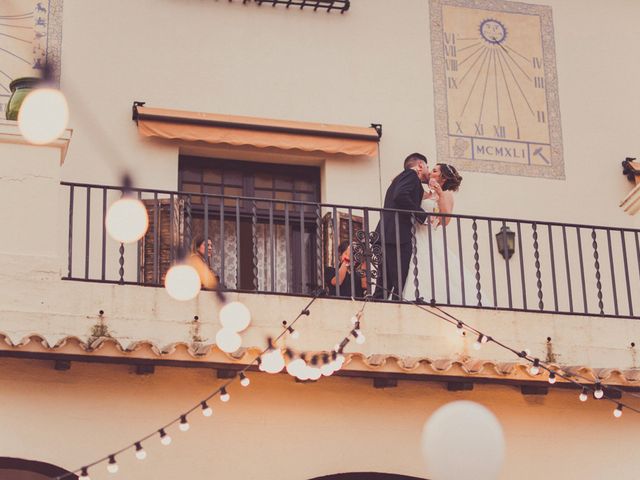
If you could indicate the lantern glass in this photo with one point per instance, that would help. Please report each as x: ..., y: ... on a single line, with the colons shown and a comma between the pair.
x: 506, y: 241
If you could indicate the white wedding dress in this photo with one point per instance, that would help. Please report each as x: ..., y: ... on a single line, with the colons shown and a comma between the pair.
x: 451, y: 285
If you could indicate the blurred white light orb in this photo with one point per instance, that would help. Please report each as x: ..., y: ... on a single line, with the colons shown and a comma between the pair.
x: 165, y: 440
x: 235, y: 316
x: 272, y: 361
x: 127, y: 220
x: 112, y: 467
x: 295, y: 367
x: 337, y: 363
x: 313, y: 373
x: 227, y: 340
x: 303, y: 373
x: 182, y: 282
x: 360, y: 339
x: 43, y: 116
x: 327, y: 369
x: 463, y: 441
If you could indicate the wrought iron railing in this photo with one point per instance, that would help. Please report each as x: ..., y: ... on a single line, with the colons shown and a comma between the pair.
x: 290, y: 247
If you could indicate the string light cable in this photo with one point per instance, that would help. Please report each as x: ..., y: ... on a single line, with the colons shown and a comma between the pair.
x: 598, y: 389
x: 221, y: 391
x: 181, y: 419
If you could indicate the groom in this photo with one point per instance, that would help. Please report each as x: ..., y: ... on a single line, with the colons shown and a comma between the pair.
x: 404, y: 193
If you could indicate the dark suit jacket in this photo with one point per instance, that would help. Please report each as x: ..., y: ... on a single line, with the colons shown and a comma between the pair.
x: 404, y: 193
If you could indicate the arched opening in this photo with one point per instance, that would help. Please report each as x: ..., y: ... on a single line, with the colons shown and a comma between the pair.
x: 366, y: 476
x: 20, y: 469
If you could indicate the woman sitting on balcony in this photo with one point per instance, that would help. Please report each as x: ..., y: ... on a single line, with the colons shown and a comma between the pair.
x: 200, y: 261
x: 343, y: 278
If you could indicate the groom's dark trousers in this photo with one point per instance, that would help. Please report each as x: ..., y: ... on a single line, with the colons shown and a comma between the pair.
x: 404, y: 193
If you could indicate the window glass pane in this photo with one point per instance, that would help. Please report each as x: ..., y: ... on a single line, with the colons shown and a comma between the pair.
x: 264, y: 193
x: 282, y: 196
x: 307, y: 197
x: 284, y: 183
x: 232, y: 177
x: 234, y: 191
x: 215, y: 189
x: 190, y: 187
x: 191, y: 175
x: 212, y: 176
x: 303, y: 185
x: 263, y: 180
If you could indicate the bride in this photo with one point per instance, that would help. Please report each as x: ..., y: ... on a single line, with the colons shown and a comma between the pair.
x: 433, y: 260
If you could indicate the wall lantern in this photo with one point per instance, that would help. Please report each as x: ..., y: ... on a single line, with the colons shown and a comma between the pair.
x: 506, y: 240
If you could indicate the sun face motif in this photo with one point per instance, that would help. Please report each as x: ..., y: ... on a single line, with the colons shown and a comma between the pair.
x: 492, y: 31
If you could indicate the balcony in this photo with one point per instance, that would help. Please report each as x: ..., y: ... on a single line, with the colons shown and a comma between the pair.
x: 284, y: 247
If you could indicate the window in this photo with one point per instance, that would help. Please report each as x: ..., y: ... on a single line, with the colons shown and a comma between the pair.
x: 264, y: 240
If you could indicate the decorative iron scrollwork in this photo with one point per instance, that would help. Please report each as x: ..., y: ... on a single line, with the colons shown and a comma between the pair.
x: 366, y: 249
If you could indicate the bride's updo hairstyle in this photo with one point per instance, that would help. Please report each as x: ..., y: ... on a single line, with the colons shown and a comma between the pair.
x: 451, y: 177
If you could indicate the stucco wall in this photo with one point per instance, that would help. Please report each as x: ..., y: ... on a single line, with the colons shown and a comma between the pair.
x: 371, y: 64
x: 277, y: 428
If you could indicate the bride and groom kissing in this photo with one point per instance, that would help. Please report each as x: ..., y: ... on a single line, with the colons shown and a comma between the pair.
x: 394, y: 230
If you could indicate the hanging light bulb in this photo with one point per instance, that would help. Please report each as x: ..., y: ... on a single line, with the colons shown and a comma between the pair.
x: 337, y: 362
x: 583, y: 395
x: 535, y: 368
x: 43, y: 116
x: 165, y: 439
x: 295, y: 367
x: 552, y: 378
x: 313, y: 373
x: 272, y: 361
x: 618, y: 411
x: 479, y: 341
x: 235, y: 316
x: 598, y: 392
x: 327, y: 369
x: 293, y: 333
x: 354, y: 320
x: 206, y: 409
x: 460, y: 328
x: 141, y: 454
x: 84, y: 475
x: 302, y: 373
x: 182, y: 282
x: 112, y: 466
x: 224, y: 395
x: 184, y: 425
x: 228, y: 340
x: 127, y: 220
x: 244, y: 380
x: 358, y: 335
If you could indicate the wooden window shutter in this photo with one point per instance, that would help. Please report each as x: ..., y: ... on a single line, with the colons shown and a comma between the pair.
x: 166, y: 238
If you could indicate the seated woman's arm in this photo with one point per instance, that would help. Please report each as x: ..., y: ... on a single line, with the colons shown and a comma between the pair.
x: 342, y: 272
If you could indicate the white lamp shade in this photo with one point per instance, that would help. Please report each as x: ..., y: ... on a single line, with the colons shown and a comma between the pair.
x: 228, y: 340
x: 463, y: 441
x: 127, y: 220
x: 182, y: 282
x: 235, y: 316
x: 43, y: 116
